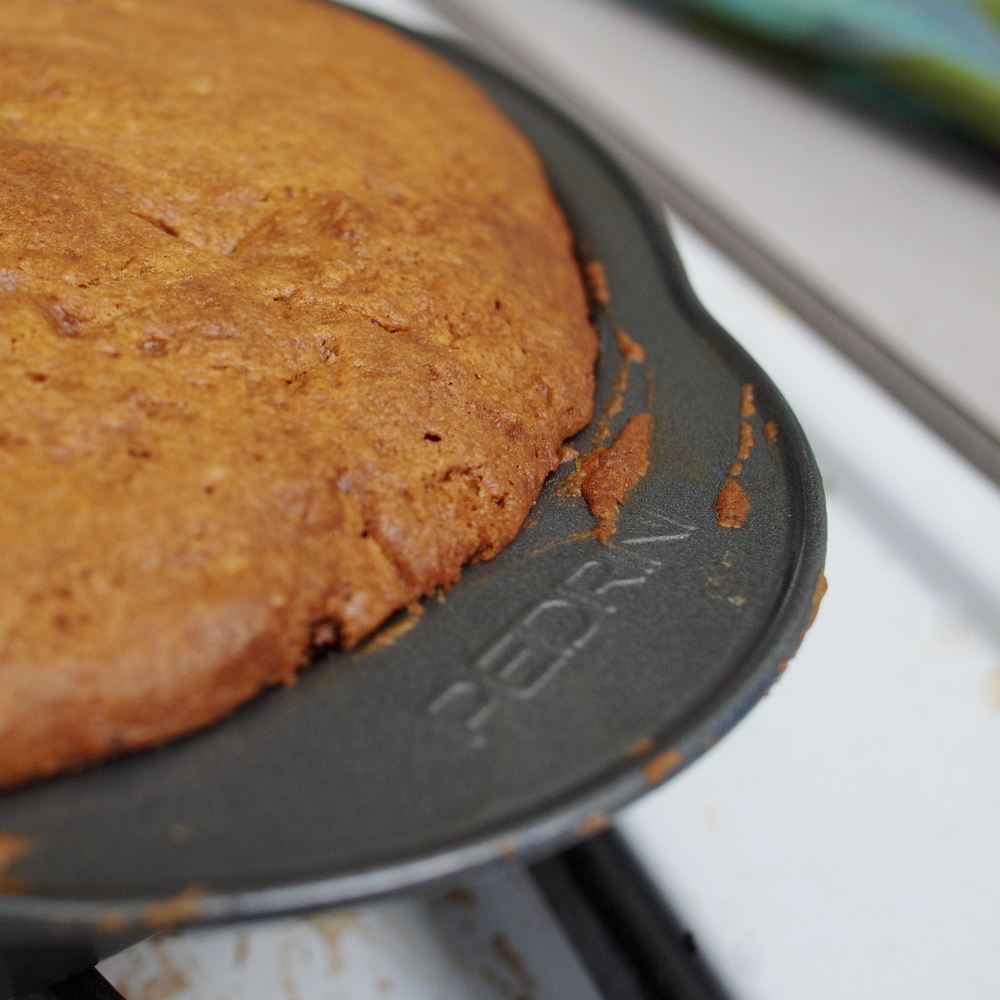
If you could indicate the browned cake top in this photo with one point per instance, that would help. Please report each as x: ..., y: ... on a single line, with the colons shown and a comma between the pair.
x: 290, y: 329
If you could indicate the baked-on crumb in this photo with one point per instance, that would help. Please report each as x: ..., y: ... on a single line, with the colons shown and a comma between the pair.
x: 597, y: 282
x: 631, y: 351
x: 290, y: 329
x: 746, y: 442
x: 732, y: 505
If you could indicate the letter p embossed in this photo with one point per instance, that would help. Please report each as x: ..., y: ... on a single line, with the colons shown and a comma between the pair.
x: 529, y: 655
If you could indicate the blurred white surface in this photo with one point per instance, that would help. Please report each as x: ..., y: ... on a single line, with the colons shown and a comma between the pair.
x: 486, y: 937
x: 896, y: 236
x: 408, y: 13
x: 843, y: 839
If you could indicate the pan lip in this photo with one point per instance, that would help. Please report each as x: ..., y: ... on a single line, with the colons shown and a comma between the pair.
x: 579, y: 812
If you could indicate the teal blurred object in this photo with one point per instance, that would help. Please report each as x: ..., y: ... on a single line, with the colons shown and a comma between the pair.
x: 936, y: 58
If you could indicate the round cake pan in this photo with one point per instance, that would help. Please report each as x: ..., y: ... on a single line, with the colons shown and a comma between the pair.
x: 549, y: 688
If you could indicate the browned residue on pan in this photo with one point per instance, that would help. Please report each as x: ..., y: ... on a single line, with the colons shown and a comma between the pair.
x: 817, y: 598
x: 389, y: 635
x: 506, y: 847
x: 178, y: 909
x: 594, y: 824
x: 597, y: 281
x: 614, y: 405
x: 771, y: 431
x: 576, y: 536
x: 608, y: 475
x: 13, y: 846
x: 631, y: 351
x: 657, y: 769
x: 112, y: 921
x: 641, y: 747
x: 818, y: 594
x: 14, y: 885
x: 572, y: 485
x: 745, y: 448
x: 732, y: 505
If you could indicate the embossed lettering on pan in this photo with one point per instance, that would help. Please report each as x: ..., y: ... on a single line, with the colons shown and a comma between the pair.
x: 544, y: 640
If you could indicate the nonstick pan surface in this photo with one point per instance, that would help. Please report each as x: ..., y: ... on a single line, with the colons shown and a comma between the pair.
x: 552, y: 686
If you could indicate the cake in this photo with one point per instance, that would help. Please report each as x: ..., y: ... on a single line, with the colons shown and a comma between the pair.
x: 290, y: 330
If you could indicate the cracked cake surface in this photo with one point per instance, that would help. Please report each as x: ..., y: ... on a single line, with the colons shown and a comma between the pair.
x: 290, y: 330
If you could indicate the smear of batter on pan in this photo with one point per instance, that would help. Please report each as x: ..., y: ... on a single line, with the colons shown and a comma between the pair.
x: 606, y: 476
x: 597, y: 282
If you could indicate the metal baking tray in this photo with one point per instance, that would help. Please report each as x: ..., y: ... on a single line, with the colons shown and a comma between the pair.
x: 549, y: 688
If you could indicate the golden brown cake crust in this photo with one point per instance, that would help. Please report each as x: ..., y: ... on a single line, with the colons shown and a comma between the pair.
x: 290, y: 329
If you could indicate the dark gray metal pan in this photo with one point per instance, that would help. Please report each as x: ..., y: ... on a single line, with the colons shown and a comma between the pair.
x: 551, y: 687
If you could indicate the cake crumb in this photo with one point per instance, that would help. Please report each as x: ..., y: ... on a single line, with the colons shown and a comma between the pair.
x: 640, y: 747
x: 746, y: 442
x: 597, y: 282
x: 388, y: 635
x: 614, y: 404
x: 631, y: 351
x: 594, y: 824
x: 181, y: 908
x: 657, y: 769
